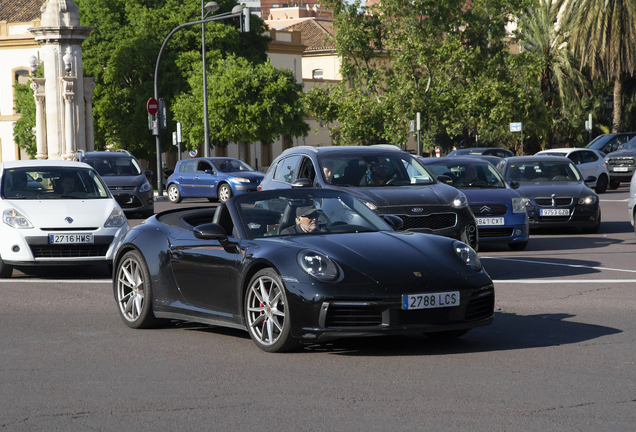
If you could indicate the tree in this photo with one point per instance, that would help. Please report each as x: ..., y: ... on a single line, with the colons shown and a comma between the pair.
x: 23, y: 128
x: 122, y: 51
x: 449, y: 62
x: 602, y: 35
x: 247, y: 102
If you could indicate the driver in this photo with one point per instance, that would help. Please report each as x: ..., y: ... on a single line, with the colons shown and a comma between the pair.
x: 306, y: 221
x: 378, y: 173
x: 17, y: 183
x: 470, y: 175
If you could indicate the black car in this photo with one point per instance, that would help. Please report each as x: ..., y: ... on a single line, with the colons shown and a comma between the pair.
x: 485, y: 151
x: 609, y: 143
x: 557, y: 195
x: 245, y: 266
x: 125, y: 179
x: 621, y: 164
x: 386, y: 179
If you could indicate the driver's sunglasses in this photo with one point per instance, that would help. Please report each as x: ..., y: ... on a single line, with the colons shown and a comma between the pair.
x: 313, y: 215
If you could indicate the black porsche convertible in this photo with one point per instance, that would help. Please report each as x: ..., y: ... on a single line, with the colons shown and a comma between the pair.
x: 298, y: 265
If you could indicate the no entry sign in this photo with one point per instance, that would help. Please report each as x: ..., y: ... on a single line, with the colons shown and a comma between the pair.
x: 152, y: 106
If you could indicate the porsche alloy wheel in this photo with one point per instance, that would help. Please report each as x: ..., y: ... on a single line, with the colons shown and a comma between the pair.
x: 267, y: 314
x: 225, y: 192
x: 173, y: 193
x: 133, y: 292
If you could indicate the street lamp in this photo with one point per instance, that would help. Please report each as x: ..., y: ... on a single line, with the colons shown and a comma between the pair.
x: 206, y: 9
x: 237, y: 11
x: 33, y: 62
x: 68, y: 59
x: 609, y: 101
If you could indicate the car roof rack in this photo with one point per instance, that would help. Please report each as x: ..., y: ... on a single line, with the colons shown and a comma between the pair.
x: 123, y: 151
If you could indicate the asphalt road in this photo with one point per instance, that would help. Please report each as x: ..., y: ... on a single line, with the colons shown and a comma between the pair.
x: 560, y: 356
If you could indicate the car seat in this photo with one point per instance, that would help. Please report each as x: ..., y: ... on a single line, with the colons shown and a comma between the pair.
x: 222, y: 217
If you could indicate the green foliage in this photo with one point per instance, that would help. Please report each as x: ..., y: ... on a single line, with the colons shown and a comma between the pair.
x: 446, y: 61
x: 121, y: 53
x: 23, y: 128
x: 247, y: 102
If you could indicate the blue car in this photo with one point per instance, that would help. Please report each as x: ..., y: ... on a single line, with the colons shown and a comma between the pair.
x: 499, y: 210
x: 215, y: 178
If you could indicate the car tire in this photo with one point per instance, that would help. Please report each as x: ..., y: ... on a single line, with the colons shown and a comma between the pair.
x: 133, y: 291
x: 518, y: 246
x: 614, y: 184
x: 446, y: 335
x: 601, y: 184
x: 267, y: 315
x: 6, y: 270
x: 173, y: 194
x: 224, y: 193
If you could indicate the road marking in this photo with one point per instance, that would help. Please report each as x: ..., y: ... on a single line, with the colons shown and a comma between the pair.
x: 607, y: 200
x: 560, y: 264
x: 52, y: 281
x: 564, y: 281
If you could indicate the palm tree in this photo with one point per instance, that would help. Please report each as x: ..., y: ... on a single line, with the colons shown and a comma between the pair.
x: 602, y: 34
x: 539, y: 37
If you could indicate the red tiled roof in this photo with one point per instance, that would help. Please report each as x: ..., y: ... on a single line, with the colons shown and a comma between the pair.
x: 314, y: 34
x: 20, y: 10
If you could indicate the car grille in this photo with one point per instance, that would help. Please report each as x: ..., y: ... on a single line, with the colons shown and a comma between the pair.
x: 435, y: 221
x: 489, y: 209
x: 480, y: 308
x: 495, y: 232
x: 69, y: 251
x: 621, y: 161
x: 552, y: 202
x: 353, y: 316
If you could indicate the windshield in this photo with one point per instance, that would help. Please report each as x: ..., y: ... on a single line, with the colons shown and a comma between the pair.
x: 52, y: 183
x: 597, y: 143
x: 114, y: 166
x: 389, y: 169
x: 468, y: 175
x: 231, y: 165
x: 305, y: 214
x: 631, y: 145
x: 539, y: 171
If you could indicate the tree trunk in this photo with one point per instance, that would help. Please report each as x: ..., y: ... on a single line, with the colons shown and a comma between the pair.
x: 618, y: 107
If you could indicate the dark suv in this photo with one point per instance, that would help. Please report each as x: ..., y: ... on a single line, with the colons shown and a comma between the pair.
x: 621, y: 164
x: 609, y: 143
x: 124, y: 177
x: 388, y: 181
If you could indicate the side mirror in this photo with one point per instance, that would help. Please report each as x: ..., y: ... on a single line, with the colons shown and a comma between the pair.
x: 445, y: 179
x: 213, y: 231
x: 209, y: 172
x: 148, y: 173
x: 394, y: 221
x: 122, y: 198
x: 302, y: 183
x: 590, y: 179
x: 514, y: 184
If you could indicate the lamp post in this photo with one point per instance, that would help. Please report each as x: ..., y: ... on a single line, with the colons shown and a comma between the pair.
x: 609, y: 101
x: 237, y: 11
x: 206, y: 8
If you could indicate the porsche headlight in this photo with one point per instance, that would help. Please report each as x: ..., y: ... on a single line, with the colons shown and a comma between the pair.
x: 467, y: 255
x: 240, y: 180
x: 519, y: 205
x: 591, y: 199
x: 116, y: 219
x: 318, y: 265
x: 144, y: 187
x: 460, y: 201
x: 15, y: 219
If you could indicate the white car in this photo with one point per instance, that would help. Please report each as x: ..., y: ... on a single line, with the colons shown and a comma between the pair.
x: 588, y: 161
x: 56, y: 213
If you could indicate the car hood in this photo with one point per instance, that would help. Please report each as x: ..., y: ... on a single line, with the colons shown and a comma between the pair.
x: 432, y: 257
x: 489, y: 196
x: 559, y: 188
x: 52, y: 213
x: 252, y: 175
x: 115, y: 181
x: 623, y: 153
x: 435, y: 194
